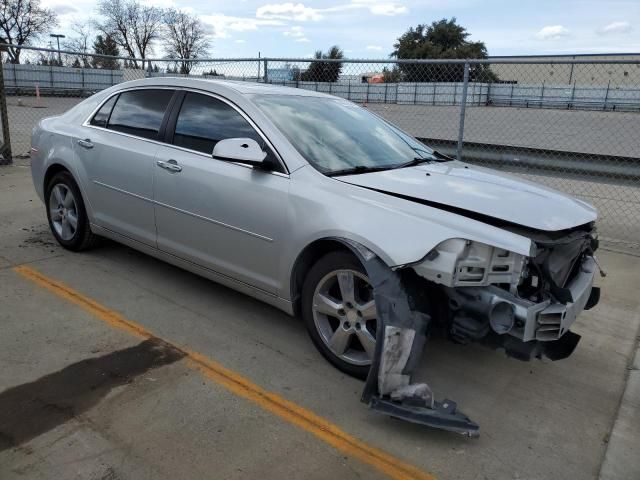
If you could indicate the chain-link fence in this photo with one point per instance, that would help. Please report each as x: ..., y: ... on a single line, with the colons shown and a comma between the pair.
x: 572, y: 125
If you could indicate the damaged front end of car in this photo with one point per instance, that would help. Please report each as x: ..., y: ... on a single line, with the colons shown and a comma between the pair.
x: 475, y: 292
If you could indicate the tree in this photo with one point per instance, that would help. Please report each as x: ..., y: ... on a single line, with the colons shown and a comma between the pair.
x: 21, y: 22
x: 50, y: 60
x: 105, y: 46
x: 80, y: 44
x: 133, y: 26
x: 319, y: 71
x: 391, y: 76
x: 443, y: 39
x: 185, y: 38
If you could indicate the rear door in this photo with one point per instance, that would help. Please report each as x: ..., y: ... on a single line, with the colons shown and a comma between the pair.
x: 222, y: 215
x: 117, y: 150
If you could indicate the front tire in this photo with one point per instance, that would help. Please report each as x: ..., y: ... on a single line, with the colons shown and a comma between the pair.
x: 66, y: 213
x: 339, y: 312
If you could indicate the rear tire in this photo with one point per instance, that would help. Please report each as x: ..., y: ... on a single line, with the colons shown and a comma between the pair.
x: 339, y: 312
x: 67, y: 214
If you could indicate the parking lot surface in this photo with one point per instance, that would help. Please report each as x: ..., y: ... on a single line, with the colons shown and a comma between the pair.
x: 99, y: 378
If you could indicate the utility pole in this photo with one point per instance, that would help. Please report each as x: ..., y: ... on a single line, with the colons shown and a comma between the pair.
x: 58, y: 36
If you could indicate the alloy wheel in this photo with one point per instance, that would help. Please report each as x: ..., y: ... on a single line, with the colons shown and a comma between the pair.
x: 64, y: 211
x: 344, y: 313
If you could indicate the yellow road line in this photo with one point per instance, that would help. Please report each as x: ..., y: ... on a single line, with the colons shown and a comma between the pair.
x: 241, y: 386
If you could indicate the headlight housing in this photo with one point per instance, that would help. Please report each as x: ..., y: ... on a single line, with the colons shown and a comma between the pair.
x: 458, y: 262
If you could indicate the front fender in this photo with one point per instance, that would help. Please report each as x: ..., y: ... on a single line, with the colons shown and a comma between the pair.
x: 398, y: 231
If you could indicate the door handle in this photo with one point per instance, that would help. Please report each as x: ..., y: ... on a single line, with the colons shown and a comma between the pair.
x: 171, y: 165
x: 86, y: 143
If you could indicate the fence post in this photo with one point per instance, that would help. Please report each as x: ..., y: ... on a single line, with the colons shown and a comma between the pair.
x: 573, y: 95
x: 51, y: 76
x: 5, y: 149
x: 463, y: 105
x: 266, y: 75
x: 606, y: 96
x: 386, y: 87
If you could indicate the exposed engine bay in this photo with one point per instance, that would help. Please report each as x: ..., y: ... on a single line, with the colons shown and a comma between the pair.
x: 472, y: 292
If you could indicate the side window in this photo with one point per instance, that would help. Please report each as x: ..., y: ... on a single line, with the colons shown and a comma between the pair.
x: 140, y: 112
x: 204, y: 120
x: 101, y: 117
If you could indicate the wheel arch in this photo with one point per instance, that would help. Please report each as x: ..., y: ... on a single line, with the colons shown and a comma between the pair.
x: 53, y: 169
x: 309, y: 256
x: 57, y: 167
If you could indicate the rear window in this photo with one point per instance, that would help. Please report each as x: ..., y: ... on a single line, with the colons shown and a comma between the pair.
x: 140, y: 112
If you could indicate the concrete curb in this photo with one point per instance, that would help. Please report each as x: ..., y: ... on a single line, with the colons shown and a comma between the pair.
x: 622, y: 458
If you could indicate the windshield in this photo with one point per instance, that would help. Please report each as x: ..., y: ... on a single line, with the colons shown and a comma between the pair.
x: 335, y: 135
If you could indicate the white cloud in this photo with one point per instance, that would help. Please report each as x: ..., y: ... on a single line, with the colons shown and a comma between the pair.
x: 388, y: 9
x: 159, y: 3
x: 552, y: 32
x: 223, y: 24
x: 381, y: 7
x: 297, y: 33
x: 615, y: 27
x: 288, y: 11
x: 374, y: 47
x: 239, y: 41
x: 64, y: 9
x: 302, y: 13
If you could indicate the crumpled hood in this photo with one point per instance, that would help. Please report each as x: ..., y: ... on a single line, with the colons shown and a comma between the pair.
x: 481, y: 191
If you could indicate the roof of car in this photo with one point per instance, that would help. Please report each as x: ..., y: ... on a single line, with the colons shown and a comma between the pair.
x: 241, y: 87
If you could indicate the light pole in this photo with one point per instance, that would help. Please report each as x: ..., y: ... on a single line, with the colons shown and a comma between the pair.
x: 58, y: 36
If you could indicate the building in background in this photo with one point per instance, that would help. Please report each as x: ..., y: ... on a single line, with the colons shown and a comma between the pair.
x: 284, y: 74
x: 567, y: 74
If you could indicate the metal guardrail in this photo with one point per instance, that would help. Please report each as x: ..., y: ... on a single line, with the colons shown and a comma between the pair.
x: 581, y: 166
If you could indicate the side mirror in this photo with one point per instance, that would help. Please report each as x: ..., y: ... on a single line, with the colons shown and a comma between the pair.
x: 243, y: 150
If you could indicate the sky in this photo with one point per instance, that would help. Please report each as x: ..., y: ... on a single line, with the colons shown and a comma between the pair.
x: 369, y: 28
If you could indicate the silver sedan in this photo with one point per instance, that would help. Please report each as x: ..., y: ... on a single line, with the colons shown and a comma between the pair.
x: 323, y: 209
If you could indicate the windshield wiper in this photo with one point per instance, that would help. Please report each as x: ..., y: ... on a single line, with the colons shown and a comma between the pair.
x: 356, y: 170
x: 414, y: 162
x: 442, y: 157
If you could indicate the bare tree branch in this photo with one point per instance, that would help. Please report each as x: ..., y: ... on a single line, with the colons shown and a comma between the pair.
x: 80, y: 42
x: 21, y: 22
x: 132, y: 26
x: 186, y: 38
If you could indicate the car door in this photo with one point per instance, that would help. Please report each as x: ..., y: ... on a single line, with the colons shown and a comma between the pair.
x: 222, y: 215
x: 117, y: 151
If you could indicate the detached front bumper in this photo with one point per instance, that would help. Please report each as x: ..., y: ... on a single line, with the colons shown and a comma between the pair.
x: 480, y: 311
x: 404, y: 316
